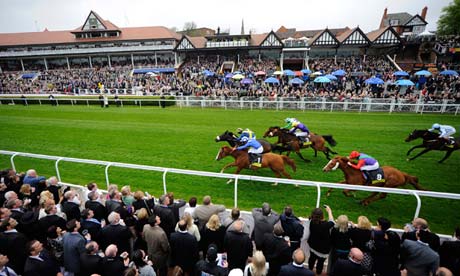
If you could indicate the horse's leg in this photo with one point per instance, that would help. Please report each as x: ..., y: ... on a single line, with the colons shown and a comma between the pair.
x: 277, y: 174
x: 329, y: 191
x: 348, y: 193
x: 420, y: 153
x: 414, y: 147
x: 368, y: 199
x: 228, y: 166
x: 238, y: 170
x: 301, y: 157
x: 373, y: 199
x: 448, y: 153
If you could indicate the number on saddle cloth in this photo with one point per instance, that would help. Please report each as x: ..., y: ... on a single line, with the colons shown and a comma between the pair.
x: 255, y: 159
x: 376, y: 176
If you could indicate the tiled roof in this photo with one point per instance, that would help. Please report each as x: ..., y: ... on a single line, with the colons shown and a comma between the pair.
x: 197, y: 41
x: 373, y: 35
x: 402, y: 17
x: 257, y: 39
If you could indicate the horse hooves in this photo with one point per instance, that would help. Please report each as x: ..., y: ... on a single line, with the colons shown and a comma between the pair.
x: 296, y: 185
x: 229, y: 181
x: 275, y: 184
x: 328, y: 194
x: 364, y: 202
x: 408, y: 159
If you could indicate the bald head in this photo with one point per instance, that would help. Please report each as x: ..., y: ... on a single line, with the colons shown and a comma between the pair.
x: 298, y: 257
x: 238, y: 226
x: 356, y: 255
x: 111, y: 250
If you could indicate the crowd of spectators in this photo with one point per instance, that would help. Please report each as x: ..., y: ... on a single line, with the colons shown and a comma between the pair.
x: 47, y: 229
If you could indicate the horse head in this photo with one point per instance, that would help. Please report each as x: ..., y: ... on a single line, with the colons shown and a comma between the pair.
x: 425, y: 134
x: 226, y: 136
x: 271, y: 132
x: 335, y: 163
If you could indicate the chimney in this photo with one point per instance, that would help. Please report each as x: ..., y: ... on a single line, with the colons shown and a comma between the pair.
x: 382, y: 22
x: 424, y: 10
x: 218, y: 30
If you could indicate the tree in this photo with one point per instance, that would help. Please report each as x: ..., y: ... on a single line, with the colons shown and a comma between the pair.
x: 449, y: 22
x: 189, y: 26
x: 173, y: 29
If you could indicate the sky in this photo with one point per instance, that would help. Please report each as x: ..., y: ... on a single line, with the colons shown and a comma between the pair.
x: 258, y: 16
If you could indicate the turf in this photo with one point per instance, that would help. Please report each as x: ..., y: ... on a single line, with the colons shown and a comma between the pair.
x: 184, y: 138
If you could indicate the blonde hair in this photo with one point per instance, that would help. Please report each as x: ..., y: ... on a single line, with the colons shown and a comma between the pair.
x: 25, y: 189
x: 112, y: 187
x: 138, y: 195
x: 188, y: 219
x: 125, y: 190
x: 142, y: 213
x: 342, y: 223
x: 258, y: 264
x: 364, y: 223
x: 213, y: 222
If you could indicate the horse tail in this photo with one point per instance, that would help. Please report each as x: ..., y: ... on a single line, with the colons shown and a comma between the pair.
x: 413, y: 180
x: 289, y: 161
x: 330, y: 140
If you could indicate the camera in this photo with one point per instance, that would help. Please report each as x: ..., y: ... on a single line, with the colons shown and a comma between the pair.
x: 84, y: 232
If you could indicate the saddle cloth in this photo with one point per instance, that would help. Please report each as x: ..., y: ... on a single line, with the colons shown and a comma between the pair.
x: 255, y: 160
x: 376, y: 176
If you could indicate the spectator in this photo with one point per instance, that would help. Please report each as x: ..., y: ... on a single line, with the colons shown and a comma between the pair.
x: 421, y: 224
x: 157, y: 245
x: 238, y: 246
x: 234, y: 216
x: 213, y: 233
x: 449, y: 253
x: 360, y: 237
x: 166, y: 215
x: 204, y: 212
x: 74, y: 246
x: 126, y: 196
x: 142, y: 218
x: 13, y: 245
x: 39, y: 261
x: 71, y: 205
x: 191, y: 227
x: 320, y: 238
x: 51, y: 219
x: 387, y: 248
x: 417, y: 258
x: 32, y: 178
x: 264, y: 220
x: 184, y: 249
x: 258, y: 266
x: 90, y: 224
x: 94, y: 204
x: 4, y: 269
x: 296, y: 268
x: 351, y: 266
x: 142, y: 264
x: 292, y: 226
x: 90, y: 187
x: 55, y: 244
x: 112, y: 264
x: 276, y: 249
x: 114, y: 204
x: 209, y: 264
x: 90, y: 261
x: 191, y: 206
x: 116, y: 233
x: 53, y: 187
x: 141, y: 201
x: 175, y: 205
x: 340, y: 241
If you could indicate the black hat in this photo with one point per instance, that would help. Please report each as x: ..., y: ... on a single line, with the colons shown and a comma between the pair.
x: 211, y: 255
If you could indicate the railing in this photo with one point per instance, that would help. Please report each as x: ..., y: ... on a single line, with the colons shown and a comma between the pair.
x: 58, y: 159
x: 319, y: 104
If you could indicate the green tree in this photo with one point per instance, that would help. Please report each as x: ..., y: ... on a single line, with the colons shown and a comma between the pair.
x: 449, y: 22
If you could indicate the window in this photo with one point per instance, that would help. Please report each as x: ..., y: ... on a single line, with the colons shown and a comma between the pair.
x: 394, y: 22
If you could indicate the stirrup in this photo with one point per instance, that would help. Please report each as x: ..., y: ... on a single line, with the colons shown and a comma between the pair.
x: 256, y: 164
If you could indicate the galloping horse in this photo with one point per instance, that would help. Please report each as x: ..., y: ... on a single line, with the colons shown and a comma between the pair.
x: 233, y: 141
x: 273, y: 161
x: 431, y: 141
x: 292, y: 141
x: 393, y: 178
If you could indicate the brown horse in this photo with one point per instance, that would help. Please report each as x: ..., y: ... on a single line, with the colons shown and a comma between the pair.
x: 273, y: 161
x: 318, y: 142
x: 393, y: 178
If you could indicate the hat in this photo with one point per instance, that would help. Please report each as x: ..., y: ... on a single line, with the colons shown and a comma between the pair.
x: 211, y: 255
x: 353, y: 154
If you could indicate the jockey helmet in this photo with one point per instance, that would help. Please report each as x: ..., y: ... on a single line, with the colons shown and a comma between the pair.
x: 436, y: 126
x: 288, y: 120
x: 353, y: 154
x: 244, y: 139
x: 239, y: 130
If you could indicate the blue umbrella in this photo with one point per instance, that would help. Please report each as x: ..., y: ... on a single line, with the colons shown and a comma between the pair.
x: 423, y: 73
x: 331, y: 77
x: 404, y: 83
x: 288, y: 72
x: 272, y: 80
x: 339, y: 73
x: 401, y: 74
x: 208, y: 73
x: 449, y: 73
x: 374, y: 80
x: 246, y: 81
x: 322, y: 80
x: 229, y: 76
x: 296, y: 81
x: 305, y: 71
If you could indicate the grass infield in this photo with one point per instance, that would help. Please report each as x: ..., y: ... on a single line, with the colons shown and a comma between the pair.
x: 184, y: 138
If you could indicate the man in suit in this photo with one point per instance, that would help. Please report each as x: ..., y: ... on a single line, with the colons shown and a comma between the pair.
x: 13, y: 244
x: 4, y: 269
x: 115, y: 204
x: 39, y: 262
x: 100, y: 212
x: 351, y: 266
x: 296, y: 268
x: 51, y: 219
x: 71, y: 205
x: 175, y: 205
x: 166, y: 215
x: 52, y: 185
x: 90, y: 224
x: 112, y: 264
x: 74, y: 246
x: 449, y: 253
x: 157, y: 244
x: 184, y: 249
x: 417, y: 258
x: 90, y: 261
x: 238, y: 246
x: 116, y: 233
x: 205, y: 211
x: 276, y: 249
x: 264, y: 220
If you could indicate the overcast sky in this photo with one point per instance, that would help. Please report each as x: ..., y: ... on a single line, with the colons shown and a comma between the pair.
x: 260, y: 16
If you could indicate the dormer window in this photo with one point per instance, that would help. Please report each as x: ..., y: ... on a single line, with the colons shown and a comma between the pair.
x: 394, y: 22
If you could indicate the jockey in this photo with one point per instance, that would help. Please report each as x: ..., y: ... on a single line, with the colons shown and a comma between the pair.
x: 255, y: 149
x: 365, y: 163
x: 293, y: 125
x: 245, y: 133
x: 445, y: 131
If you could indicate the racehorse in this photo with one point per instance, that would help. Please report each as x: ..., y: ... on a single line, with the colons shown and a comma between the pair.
x: 232, y: 140
x: 393, y: 178
x: 270, y: 160
x: 289, y: 139
x: 431, y: 141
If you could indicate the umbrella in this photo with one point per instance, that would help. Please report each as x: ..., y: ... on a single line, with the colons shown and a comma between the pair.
x: 277, y: 73
x: 272, y: 80
x: 423, y: 73
x: 317, y: 73
x: 260, y: 73
x: 246, y: 81
x: 296, y: 81
x: 449, y: 73
x: 151, y: 74
x: 401, y: 74
x: 374, y: 80
x: 238, y: 77
x: 339, y: 73
x: 298, y: 73
x: 208, y: 73
x: 322, y: 80
x: 288, y: 72
x: 331, y: 77
x: 229, y: 75
x: 404, y: 83
x: 357, y: 74
x: 236, y: 72
x: 305, y: 71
